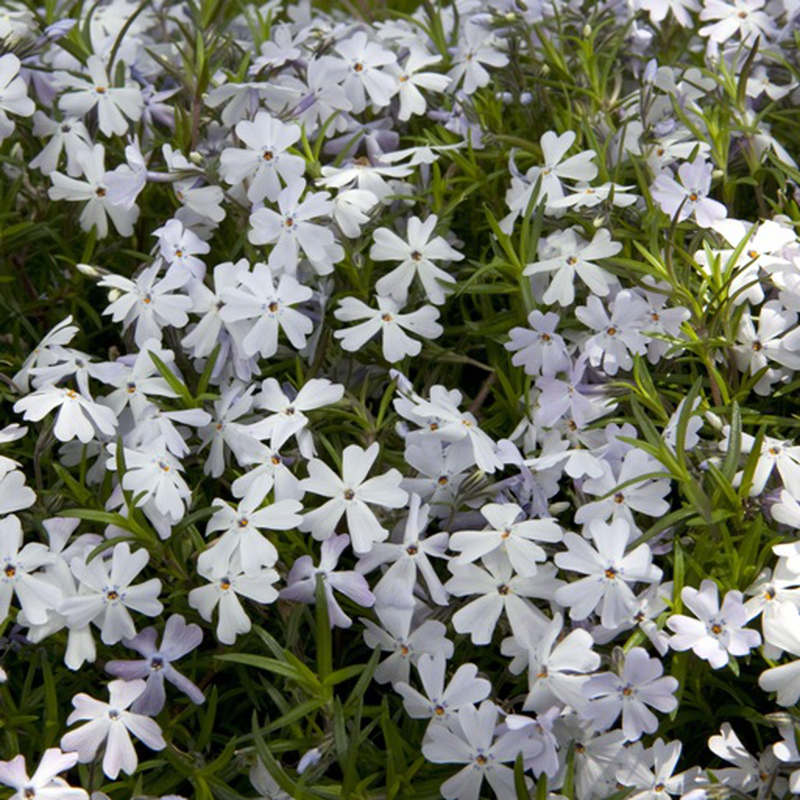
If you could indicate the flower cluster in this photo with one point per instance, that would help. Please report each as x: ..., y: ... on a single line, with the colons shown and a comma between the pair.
x: 400, y: 404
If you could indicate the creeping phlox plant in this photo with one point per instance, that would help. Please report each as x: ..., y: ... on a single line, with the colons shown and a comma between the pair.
x: 399, y: 401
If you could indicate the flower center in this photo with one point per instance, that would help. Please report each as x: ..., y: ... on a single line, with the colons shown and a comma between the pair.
x: 349, y: 494
x: 100, y: 191
x: 412, y: 549
x: 225, y: 584
x: 439, y: 710
x: 619, y: 498
x: 273, y: 307
x: 443, y: 480
x: 112, y: 595
x: 113, y: 714
x: 386, y: 317
x: 612, y: 331
x: 268, y: 155
x: 416, y: 256
x: 243, y: 522
x: 503, y: 589
x: 10, y: 571
x: 156, y: 663
x: 611, y: 573
x: 716, y: 629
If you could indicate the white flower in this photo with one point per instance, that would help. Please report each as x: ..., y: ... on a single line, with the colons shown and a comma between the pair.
x: 609, y: 572
x: 301, y: 583
x: 500, y: 591
x: 775, y: 453
x: 410, y: 79
x: 227, y: 581
x: 242, y: 532
x: 77, y: 415
x: 440, y: 704
x: 225, y: 431
x: 619, y: 336
x: 690, y: 196
x: 646, y: 497
x: 106, y: 594
x: 149, y: 302
x: 717, y: 632
x: 291, y: 230
x: 362, y: 73
x: 550, y: 176
x: 287, y: 417
x: 680, y: 9
x: 134, y: 385
x: 264, y: 161
x: 13, y: 94
x: 516, y: 538
x: 406, y: 646
x: 651, y: 773
x: 750, y: 775
x: 111, y: 723
x: 351, y: 495
x: 269, y: 308
x: 211, y: 329
x: 115, y: 105
x: 47, y: 351
x: 474, y: 744
x: 416, y: 256
x: 642, y: 683
x: 743, y: 17
x: 94, y: 192
x: 407, y: 558
x: 557, y: 665
x: 44, y: 783
x: 387, y: 320
x: 443, y: 419
x: 539, y: 350
x: 35, y: 594
x: 179, y: 247
x: 152, y: 472
x: 567, y: 254
x: 477, y: 46
x: 782, y: 630
x: 69, y: 135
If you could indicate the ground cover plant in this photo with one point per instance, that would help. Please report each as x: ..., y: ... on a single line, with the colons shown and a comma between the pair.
x: 398, y: 400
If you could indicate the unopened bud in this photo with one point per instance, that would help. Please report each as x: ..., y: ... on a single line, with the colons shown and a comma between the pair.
x: 526, y: 98
x: 587, y: 31
x: 89, y: 270
x: 196, y: 158
x: 114, y: 295
x: 558, y: 508
x: 718, y: 173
